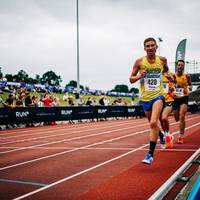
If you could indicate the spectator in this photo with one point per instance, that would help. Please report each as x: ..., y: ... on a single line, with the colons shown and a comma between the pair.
x: 55, y: 102
x: 19, y: 102
x: 70, y: 101
x: 47, y: 100
x: 106, y: 101
x: 9, y: 102
x: 28, y: 100
x: 89, y: 102
x: 132, y: 101
x: 65, y: 97
x: 39, y: 102
x: 101, y: 101
x: 81, y: 102
x: 95, y: 102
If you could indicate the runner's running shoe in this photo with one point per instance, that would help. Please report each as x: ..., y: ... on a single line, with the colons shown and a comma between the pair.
x: 148, y: 159
x: 180, y: 140
x: 169, y: 141
x: 162, y: 141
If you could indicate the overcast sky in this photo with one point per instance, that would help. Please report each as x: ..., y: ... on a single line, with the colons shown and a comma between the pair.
x: 40, y: 35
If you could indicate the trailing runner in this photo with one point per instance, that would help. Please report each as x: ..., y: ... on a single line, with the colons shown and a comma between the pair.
x: 182, y: 88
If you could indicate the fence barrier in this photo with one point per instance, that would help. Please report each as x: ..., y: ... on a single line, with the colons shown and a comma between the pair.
x: 48, y: 114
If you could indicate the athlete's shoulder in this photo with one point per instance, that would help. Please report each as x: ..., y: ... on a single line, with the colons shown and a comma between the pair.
x: 138, y: 61
x: 163, y: 59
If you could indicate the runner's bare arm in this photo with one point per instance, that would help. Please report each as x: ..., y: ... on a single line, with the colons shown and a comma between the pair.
x: 164, y: 63
x: 136, y: 67
x: 189, y: 82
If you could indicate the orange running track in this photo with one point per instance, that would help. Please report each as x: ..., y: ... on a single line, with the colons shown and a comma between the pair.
x: 96, y: 160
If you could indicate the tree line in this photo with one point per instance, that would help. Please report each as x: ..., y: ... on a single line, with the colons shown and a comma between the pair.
x: 50, y: 78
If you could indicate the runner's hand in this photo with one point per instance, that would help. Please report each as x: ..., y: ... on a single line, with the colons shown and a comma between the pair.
x: 143, y: 73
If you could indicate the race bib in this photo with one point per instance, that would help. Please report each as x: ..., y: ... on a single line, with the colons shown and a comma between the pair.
x: 152, y: 83
x: 179, y: 92
x: 165, y: 88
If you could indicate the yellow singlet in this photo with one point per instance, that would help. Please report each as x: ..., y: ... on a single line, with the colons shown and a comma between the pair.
x: 181, y: 88
x: 151, y: 85
x: 168, y: 88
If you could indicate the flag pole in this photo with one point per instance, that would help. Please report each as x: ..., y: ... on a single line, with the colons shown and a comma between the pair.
x: 77, y: 34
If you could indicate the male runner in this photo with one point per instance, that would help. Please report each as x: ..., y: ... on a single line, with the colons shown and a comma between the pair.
x: 169, y: 80
x: 181, y: 97
x: 150, y: 68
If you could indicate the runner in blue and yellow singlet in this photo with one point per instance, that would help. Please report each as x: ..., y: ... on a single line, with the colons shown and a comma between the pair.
x: 148, y: 70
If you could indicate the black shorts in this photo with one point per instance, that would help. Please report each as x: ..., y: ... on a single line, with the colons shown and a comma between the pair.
x: 171, y: 103
x: 180, y: 101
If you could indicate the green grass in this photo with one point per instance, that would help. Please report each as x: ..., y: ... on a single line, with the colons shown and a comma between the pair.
x: 4, y: 96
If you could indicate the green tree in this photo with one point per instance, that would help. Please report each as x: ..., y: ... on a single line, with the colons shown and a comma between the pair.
x: 9, y: 77
x: 50, y: 78
x: 73, y: 84
x: 1, y: 74
x: 121, y: 88
x: 37, y: 79
x: 134, y: 90
x: 21, y: 76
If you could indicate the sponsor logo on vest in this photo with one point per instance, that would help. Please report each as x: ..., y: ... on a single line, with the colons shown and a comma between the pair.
x: 102, y: 111
x: 66, y: 112
x: 22, y: 114
x: 130, y: 110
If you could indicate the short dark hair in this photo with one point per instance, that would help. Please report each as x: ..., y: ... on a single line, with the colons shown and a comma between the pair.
x: 180, y: 60
x: 149, y: 39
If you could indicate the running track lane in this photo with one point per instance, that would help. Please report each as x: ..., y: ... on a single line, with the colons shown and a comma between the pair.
x: 141, y: 181
x: 64, y: 189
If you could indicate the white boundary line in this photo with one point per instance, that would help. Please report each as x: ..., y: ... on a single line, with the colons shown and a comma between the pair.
x: 111, y: 148
x: 46, y: 129
x: 79, y: 173
x: 78, y: 148
x: 61, y: 134
x: 75, y: 138
x: 86, y: 170
x: 52, y: 129
x: 71, y: 139
x: 72, y: 150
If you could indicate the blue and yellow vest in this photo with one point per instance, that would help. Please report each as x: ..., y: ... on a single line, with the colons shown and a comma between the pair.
x: 151, y: 85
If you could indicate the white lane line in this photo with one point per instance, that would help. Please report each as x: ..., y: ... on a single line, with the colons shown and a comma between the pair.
x: 61, y: 134
x: 78, y: 174
x: 77, y: 131
x: 87, y: 170
x: 69, y: 151
x: 193, y: 147
x: 52, y: 129
x: 70, y: 139
x: 76, y: 138
x: 9, y: 132
x: 83, y: 147
x: 34, y: 133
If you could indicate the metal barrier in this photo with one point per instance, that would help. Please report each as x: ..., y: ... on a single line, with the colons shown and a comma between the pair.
x: 158, y: 195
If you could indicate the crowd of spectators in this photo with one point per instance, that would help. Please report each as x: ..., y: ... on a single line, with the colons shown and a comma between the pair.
x: 25, y: 98
x: 22, y: 97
